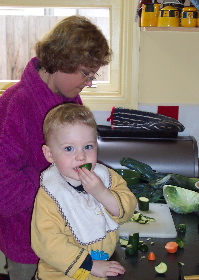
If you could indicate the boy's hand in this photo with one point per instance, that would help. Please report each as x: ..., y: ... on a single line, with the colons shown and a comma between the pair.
x: 104, y: 269
x: 93, y: 185
x: 91, y: 182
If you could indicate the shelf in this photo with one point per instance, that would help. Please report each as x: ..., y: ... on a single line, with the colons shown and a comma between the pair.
x: 165, y: 29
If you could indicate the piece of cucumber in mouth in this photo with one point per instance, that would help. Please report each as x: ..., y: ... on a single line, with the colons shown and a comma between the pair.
x: 86, y: 165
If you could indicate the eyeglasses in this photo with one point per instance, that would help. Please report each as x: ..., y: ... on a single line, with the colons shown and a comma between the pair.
x: 93, y: 78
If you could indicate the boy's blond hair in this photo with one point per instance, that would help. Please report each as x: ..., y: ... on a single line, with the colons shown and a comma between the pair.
x: 68, y: 113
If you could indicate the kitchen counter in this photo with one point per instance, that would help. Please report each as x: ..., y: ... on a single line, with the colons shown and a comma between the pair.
x: 142, y: 269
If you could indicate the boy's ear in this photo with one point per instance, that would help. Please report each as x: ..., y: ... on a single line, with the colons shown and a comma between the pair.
x: 47, y: 153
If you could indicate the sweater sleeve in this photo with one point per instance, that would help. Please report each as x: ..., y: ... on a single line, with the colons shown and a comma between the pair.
x: 125, y: 198
x: 52, y: 240
x: 19, y: 179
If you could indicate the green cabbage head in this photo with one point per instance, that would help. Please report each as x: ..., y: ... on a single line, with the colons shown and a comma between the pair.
x: 181, y: 200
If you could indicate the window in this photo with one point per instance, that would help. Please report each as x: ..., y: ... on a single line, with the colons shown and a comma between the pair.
x: 19, y: 25
x: 118, y: 83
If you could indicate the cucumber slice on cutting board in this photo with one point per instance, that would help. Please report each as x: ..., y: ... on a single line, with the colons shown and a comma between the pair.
x: 143, y: 203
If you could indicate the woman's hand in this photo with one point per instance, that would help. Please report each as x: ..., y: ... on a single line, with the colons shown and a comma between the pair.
x: 104, y: 269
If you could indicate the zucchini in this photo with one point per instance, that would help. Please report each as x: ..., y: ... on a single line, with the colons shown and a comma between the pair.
x: 185, y: 182
x: 144, y: 169
x: 143, y: 247
x: 133, y: 243
x: 143, y: 203
x: 148, y: 190
x: 86, y: 165
x: 141, y: 219
x: 129, y: 251
x: 181, y: 228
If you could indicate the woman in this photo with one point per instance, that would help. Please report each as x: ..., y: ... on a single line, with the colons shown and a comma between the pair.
x: 66, y: 61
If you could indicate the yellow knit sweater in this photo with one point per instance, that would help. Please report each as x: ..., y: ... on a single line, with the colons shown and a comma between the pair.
x: 53, y: 241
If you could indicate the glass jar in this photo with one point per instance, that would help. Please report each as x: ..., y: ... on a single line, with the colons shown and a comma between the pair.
x: 169, y: 16
x: 140, y: 3
x: 189, y: 17
x: 150, y: 14
x: 197, y: 19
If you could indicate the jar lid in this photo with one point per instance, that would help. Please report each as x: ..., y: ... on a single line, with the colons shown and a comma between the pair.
x: 169, y: 8
x: 189, y: 9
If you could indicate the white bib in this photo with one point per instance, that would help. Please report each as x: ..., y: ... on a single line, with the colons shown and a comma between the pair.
x: 85, y: 216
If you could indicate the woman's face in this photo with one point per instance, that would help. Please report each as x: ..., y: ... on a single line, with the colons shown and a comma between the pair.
x: 70, y: 85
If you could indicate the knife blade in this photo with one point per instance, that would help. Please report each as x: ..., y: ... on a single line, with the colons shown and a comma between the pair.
x: 181, y: 276
x: 191, y: 277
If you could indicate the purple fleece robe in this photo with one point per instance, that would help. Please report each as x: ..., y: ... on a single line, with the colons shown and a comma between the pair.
x: 22, y: 110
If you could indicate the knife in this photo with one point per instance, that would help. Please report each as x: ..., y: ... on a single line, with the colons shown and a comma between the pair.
x: 191, y: 277
x: 181, y: 276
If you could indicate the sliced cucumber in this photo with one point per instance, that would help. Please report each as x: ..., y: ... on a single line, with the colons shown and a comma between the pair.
x: 87, y: 166
x: 143, y: 222
x: 151, y: 219
x: 161, y: 268
x: 123, y: 242
x: 141, y: 219
x: 143, y: 203
x: 136, y: 217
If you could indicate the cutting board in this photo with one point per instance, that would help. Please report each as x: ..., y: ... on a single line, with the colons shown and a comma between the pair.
x: 163, y: 227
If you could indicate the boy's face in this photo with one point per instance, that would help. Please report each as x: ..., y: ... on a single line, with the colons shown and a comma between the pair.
x: 71, y: 146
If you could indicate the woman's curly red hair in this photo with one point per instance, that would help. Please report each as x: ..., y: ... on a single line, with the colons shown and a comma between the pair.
x: 74, y: 41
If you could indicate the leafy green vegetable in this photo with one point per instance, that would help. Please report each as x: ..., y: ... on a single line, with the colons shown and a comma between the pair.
x: 181, y: 200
